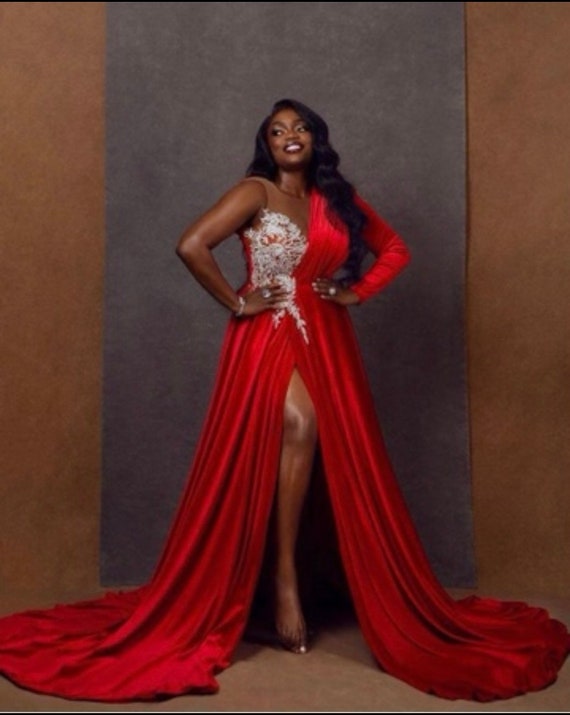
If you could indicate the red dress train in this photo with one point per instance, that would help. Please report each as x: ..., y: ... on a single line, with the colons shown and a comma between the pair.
x: 175, y: 633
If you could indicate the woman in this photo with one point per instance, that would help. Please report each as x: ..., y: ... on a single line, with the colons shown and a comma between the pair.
x: 290, y: 378
x: 293, y: 157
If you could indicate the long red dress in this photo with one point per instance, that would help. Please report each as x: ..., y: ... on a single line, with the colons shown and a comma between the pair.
x: 173, y: 635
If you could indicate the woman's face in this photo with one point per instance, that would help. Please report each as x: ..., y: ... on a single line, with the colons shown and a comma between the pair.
x: 290, y: 140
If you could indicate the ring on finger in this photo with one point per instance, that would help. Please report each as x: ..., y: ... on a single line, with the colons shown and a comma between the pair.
x: 266, y: 293
x: 332, y: 290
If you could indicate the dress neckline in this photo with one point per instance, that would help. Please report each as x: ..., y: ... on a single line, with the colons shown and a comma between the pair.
x: 290, y: 221
x: 312, y: 196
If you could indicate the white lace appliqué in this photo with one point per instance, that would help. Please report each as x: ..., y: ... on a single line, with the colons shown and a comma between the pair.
x: 277, y: 247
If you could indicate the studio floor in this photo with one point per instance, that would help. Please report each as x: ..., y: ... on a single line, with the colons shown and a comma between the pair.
x: 337, y: 674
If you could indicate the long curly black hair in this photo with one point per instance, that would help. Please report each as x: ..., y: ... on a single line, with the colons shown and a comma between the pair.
x: 323, y: 174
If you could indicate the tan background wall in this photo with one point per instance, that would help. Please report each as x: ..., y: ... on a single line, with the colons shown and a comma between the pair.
x: 519, y: 292
x: 52, y: 227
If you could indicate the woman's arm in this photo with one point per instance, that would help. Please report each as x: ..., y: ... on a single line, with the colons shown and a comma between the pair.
x: 392, y: 254
x: 232, y: 211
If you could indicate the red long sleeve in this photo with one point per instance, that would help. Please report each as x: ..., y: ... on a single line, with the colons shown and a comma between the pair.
x: 392, y: 254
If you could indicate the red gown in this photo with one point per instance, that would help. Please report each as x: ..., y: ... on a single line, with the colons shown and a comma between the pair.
x: 175, y: 633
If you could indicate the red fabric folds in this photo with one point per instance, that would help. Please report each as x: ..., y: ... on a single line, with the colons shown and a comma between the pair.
x: 175, y: 633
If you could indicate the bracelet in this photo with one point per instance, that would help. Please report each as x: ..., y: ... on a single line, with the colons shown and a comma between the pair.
x: 239, y: 311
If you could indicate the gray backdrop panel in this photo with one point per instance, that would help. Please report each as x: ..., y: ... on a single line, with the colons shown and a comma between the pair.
x: 187, y: 86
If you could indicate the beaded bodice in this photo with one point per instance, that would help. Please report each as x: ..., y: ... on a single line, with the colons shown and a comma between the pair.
x: 276, y: 248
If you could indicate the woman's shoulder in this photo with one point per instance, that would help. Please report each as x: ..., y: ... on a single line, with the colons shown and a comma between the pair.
x: 266, y: 184
x: 262, y: 179
x: 250, y: 190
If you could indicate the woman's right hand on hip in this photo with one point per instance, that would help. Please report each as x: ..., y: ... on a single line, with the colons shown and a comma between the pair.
x: 265, y: 297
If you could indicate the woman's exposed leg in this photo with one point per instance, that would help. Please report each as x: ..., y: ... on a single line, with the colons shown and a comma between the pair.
x: 298, y: 448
